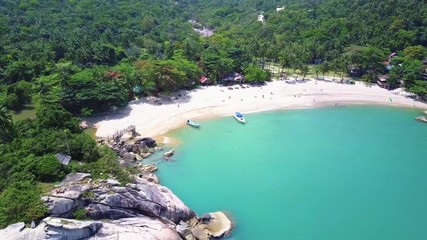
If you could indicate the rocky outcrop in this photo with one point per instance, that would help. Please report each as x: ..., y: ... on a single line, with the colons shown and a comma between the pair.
x: 141, y: 228
x: 139, y: 210
x: 61, y: 206
x: 105, y: 199
x: 138, y: 199
x: 149, y: 142
x: 129, y: 145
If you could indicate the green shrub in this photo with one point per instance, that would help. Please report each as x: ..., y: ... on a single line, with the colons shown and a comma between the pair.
x: 12, y: 102
x: 20, y: 202
x: 86, y: 112
x: 49, y: 169
x: 80, y: 214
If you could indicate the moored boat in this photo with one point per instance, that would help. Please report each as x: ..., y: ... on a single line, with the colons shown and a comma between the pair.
x: 193, y: 124
x: 239, y: 117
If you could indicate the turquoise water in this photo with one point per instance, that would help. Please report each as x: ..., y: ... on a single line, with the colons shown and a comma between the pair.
x: 328, y: 173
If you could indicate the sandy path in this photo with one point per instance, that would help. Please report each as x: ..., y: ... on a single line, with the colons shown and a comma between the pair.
x: 216, y: 101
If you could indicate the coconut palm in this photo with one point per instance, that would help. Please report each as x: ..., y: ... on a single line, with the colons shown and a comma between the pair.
x: 6, y: 125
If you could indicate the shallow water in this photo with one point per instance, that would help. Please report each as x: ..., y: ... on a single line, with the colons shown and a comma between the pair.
x: 326, y: 173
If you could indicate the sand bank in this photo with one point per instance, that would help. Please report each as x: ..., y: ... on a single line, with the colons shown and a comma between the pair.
x: 155, y: 117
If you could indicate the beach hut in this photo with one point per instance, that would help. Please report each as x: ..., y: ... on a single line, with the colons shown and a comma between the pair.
x: 204, y: 80
x: 233, y: 78
x: 382, y: 81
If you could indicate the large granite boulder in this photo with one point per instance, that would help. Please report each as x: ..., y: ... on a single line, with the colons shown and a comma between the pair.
x: 140, y: 210
x: 149, y: 142
x: 67, y: 196
x: 105, y: 199
x: 100, y: 211
x: 61, y: 206
x: 141, y: 199
x: 75, y: 178
x: 65, y: 229
x: 140, y: 228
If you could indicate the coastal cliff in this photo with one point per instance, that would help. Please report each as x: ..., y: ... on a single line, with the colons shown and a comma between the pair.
x: 139, y: 210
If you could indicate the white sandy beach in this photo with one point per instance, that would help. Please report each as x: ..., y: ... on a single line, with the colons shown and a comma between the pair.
x: 216, y: 101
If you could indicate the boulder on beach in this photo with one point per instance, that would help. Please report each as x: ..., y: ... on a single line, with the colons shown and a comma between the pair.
x: 149, y: 142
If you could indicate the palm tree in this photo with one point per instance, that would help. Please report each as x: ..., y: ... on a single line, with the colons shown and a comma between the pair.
x: 6, y: 126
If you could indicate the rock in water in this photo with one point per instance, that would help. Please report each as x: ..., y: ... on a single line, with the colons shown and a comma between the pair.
x: 421, y: 119
x: 215, y: 225
x: 169, y: 153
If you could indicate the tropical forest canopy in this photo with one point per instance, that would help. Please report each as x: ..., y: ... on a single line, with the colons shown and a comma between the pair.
x: 76, y: 57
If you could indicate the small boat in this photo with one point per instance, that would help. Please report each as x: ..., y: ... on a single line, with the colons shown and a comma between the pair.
x: 239, y: 117
x: 193, y: 124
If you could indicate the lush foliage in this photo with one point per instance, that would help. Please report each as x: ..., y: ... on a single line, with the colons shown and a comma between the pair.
x: 20, y: 202
x: 7, y: 130
x: 71, y: 58
x: 28, y: 158
x: 92, y: 56
x: 255, y: 74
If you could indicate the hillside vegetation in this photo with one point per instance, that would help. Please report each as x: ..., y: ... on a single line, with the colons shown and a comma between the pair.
x: 78, y: 57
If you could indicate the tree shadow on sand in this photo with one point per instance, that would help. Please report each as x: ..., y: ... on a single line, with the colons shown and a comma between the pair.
x: 179, y: 97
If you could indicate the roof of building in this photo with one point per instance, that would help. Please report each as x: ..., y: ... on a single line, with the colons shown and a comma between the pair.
x: 383, y: 78
x: 234, y: 77
x: 203, y: 79
x: 63, y: 158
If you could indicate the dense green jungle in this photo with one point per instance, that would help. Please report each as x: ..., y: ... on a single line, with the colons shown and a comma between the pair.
x: 76, y: 58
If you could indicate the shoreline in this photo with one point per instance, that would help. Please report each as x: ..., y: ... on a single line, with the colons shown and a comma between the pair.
x: 156, y: 117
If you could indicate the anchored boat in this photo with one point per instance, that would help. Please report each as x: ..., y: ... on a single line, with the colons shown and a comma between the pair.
x: 239, y: 117
x: 193, y: 124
